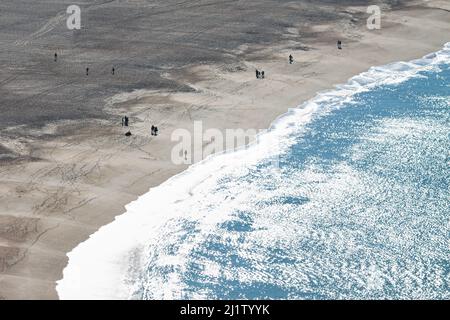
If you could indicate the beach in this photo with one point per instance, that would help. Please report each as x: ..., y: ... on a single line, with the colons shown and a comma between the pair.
x: 61, y: 181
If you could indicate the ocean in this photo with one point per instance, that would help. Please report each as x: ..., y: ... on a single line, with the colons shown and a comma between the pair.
x: 351, y: 202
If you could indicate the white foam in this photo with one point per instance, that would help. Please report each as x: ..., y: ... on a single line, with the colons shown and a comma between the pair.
x: 108, y: 265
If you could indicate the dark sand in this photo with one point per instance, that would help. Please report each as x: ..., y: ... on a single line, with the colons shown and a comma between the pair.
x: 141, y: 39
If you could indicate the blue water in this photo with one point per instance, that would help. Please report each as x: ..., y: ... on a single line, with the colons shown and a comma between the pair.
x: 358, y: 208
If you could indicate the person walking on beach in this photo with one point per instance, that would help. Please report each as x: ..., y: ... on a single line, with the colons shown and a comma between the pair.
x: 56, y: 57
x: 125, y: 121
x: 291, y: 59
x: 153, y: 130
x: 262, y: 74
x: 87, y: 71
x: 339, y: 44
x: 257, y: 74
x: 156, y: 131
x: 113, y: 71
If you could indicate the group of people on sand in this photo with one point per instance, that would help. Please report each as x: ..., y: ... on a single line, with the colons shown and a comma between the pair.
x: 126, y: 121
x: 259, y: 74
x: 113, y: 70
x: 154, y: 131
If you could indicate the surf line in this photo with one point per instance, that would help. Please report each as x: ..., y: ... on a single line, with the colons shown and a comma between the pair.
x: 192, y: 310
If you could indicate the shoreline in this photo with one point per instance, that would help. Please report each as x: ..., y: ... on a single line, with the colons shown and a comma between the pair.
x: 115, y: 173
x: 143, y: 215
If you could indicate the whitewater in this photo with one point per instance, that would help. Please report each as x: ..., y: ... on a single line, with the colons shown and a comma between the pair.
x: 344, y: 197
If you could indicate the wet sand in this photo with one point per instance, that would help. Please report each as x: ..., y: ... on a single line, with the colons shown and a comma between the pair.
x: 66, y: 167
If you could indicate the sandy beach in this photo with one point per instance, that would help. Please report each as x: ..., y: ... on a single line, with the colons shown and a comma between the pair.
x: 66, y: 167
